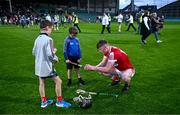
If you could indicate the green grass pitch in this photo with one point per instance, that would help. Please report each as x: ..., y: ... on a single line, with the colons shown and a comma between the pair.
x: 155, y: 89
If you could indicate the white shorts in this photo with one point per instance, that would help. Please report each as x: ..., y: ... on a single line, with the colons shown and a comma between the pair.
x: 125, y: 73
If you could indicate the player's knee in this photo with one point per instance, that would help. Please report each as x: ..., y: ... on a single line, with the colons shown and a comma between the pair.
x: 41, y: 84
x: 58, y: 81
x: 126, y: 78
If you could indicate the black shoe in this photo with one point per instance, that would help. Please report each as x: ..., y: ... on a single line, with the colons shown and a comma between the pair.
x: 69, y: 83
x: 115, y: 82
x: 81, y: 82
x: 125, y: 89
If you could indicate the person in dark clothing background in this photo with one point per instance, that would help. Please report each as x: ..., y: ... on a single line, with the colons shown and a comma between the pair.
x: 145, y: 27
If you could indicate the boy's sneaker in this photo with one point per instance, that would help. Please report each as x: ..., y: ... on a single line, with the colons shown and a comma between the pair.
x: 143, y: 42
x: 81, y: 82
x: 63, y: 104
x: 159, y: 41
x: 46, y: 103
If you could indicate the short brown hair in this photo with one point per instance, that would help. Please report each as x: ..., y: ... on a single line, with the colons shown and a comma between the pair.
x: 73, y: 30
x: 45, y: 23
x: 146, y: 12
x: 101, y: 43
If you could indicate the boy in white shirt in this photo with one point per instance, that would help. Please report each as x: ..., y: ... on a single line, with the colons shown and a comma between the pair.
x: 44, y: 53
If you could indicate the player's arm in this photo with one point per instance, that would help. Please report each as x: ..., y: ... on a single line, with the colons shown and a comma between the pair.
x: 106, y: 69
x: 103, y: 62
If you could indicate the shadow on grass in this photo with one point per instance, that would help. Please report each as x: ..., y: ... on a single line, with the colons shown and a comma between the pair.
x: 24, y: 79
x: 18, y: 99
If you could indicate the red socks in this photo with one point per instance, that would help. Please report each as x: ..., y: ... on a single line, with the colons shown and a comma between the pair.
x: 43, y: 99
x: 115, y: 78
x: 59, y: 98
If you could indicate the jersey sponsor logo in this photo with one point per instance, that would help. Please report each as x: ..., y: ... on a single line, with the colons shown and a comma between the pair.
x: 71, y: 43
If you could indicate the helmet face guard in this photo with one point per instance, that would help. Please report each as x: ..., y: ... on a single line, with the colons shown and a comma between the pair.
x: 86, y: 103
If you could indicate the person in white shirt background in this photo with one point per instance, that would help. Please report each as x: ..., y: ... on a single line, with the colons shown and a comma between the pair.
x: 48, y: 17
x: 120, y: 20
x: 131, y: 21
x: 105, y: 23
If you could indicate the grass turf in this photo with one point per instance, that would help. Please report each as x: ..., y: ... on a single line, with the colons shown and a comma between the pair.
x: 155, y: 89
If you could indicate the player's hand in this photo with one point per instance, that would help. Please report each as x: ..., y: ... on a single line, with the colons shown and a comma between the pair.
x: 67, y: 61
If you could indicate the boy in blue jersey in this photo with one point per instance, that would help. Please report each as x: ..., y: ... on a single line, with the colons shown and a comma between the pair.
x: 72, y: 53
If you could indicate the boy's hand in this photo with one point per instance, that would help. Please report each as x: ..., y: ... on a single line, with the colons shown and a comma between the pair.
x: 55, y: 50
x: 56, y: 59
x: 79, y: 60
x: 53, y: 59
x: 67, y: 61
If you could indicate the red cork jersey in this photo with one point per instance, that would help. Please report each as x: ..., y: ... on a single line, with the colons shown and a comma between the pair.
x: 123, y: 61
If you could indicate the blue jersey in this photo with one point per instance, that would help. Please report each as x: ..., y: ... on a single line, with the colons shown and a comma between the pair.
x: 72, y: 48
